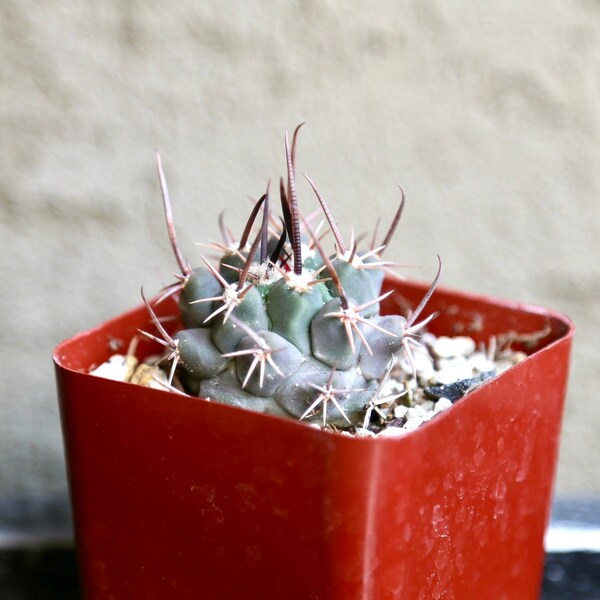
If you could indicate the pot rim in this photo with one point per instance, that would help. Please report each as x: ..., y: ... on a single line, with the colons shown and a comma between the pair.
x: 563, y: 332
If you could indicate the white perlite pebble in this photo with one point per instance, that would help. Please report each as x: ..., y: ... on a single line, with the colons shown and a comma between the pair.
x: 423, y: 363
x: 480, y: 363
x: 452, y: 374
x: 415, y: 416
x: 400, y: 412
x: 427, y: 405
x: 117, y: 368
x: 441, y: 404
x: 446, y: 347
x: 392, y: 388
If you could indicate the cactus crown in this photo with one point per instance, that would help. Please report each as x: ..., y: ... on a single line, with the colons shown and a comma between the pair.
x: 281, y: 326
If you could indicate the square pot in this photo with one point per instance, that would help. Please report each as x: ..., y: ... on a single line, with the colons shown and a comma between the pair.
x: 179, y: 498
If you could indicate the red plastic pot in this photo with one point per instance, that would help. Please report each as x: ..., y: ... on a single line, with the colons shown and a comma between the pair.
x: 180, y: 498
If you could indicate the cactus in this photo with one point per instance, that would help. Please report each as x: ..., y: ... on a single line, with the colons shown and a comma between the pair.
x: 281, y: 326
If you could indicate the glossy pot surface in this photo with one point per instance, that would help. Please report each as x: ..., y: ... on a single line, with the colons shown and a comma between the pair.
x: 180, y: 498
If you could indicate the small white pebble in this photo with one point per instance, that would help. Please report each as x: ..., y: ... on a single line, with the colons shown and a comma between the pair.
x: 447, y: 347
x: 400, y: 412
x: 480, y: 363
x: 422, y: 361
x: 442, y: 404
x: 413, y: 424
x: 426, y: 405
x: 117, y: 368
x: 451, y: 363
x: 416, y: 412
x: 392, y: 388
x: 452, y: 374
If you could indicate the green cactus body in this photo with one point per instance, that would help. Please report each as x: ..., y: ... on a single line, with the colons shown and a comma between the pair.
x: 292, y: 311
x: 263, y: 377
x: 297, y: 393
x: 358, y: 285
x: 200, y: 284
x: 383, y: 347
x: 251, y: 311
x: 225, y: 388
x: 280, y: 327
x: 353, y: 404
x: 329, y: 339
x: 198, y: 355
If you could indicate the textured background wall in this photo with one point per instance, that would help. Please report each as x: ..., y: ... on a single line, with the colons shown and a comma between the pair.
x: 488, y: 113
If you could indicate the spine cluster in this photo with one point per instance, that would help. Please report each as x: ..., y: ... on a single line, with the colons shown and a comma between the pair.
x: 280, y: 325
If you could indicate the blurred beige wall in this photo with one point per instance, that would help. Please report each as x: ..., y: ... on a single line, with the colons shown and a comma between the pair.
x: 488, y: 113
